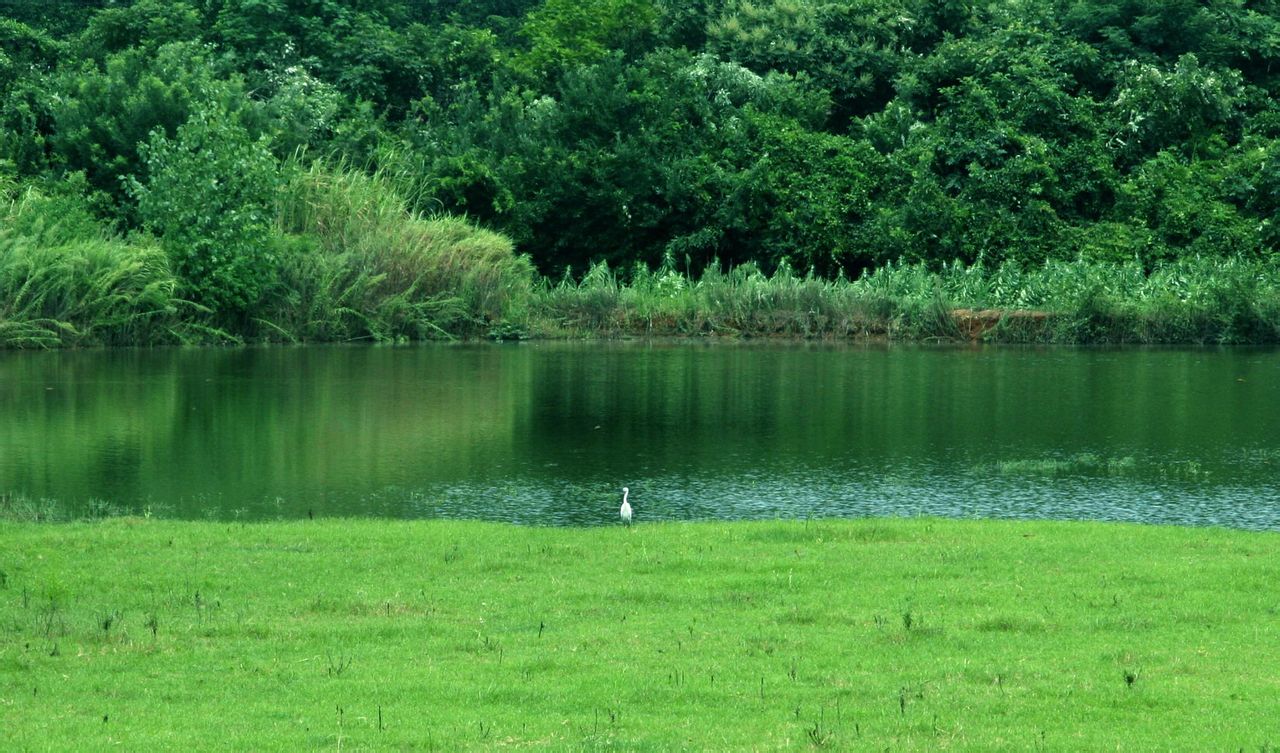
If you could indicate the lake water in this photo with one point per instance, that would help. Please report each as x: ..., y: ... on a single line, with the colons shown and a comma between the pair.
x: 548, y: 433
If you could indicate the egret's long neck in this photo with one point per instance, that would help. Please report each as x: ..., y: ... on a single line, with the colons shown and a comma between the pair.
x: 625, y: 492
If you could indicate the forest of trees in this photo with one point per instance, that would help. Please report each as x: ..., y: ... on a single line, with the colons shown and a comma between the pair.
x: 832, y: 137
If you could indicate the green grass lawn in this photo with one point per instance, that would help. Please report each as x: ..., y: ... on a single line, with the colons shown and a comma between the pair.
x: 875, y: 634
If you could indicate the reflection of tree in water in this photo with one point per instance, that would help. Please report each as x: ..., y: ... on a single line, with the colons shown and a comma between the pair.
x: 81, y: 425
x: 315, y: 427
x: 551, y: 432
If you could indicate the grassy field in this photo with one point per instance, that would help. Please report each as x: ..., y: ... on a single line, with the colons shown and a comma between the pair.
x: 879, y: 634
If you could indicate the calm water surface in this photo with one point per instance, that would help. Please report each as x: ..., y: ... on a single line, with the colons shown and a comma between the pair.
x: 548, y: 433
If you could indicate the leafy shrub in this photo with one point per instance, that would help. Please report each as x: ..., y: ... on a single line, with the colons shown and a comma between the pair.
x: 208, y: 195
x: 102, y: 116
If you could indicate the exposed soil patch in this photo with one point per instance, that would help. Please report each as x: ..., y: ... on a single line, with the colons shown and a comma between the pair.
x: 974, y: 323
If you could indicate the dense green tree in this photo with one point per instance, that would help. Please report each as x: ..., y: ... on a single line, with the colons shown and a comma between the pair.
x: 24, y: 50
x: 1137, y: 29
x: 850, y: 49
x: 1186, y: 208
x: 1258, y: 184
x: 820, y: 134
x: 27, y: 58
x: 447, y: 58
x: 208, y: 195
x: 673, y: 154
x: 357, y: 47
x: 144, y: 25
x: 58, y: 17
x: 1190, y: 107
x: 103, y: 113
x: 471, y: 13
x: 1004, y: 145
x: 564, y: 34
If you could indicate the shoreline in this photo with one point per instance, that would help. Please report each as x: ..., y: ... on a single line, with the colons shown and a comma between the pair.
x: 1195, y: 301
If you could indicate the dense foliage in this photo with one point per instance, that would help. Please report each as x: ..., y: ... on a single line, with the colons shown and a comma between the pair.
x: 824, y: 136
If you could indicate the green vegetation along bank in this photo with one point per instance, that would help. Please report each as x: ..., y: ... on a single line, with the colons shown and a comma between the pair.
x: 908, y: 634
x: 174, y: 171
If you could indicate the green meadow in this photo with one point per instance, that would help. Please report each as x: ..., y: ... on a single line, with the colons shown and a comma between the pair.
x: 897, y: 634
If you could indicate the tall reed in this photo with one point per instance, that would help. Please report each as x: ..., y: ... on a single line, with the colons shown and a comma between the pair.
x: 357, y: 264
x: 75, y: 284
x: 1192, y: 300
x: 740, y: 301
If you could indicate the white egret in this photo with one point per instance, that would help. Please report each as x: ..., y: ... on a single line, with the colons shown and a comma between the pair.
x: 625, y: 512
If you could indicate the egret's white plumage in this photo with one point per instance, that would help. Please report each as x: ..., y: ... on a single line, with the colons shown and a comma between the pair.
x: 625, y: 512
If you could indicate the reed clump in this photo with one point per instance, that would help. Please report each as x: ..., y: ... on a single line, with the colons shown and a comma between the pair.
x: 1191, y: 300
x: 741, y: 301
x: 66, y: 281
x: 359, y: 265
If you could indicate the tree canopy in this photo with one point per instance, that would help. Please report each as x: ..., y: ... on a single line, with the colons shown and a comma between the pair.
x: 828, y: 136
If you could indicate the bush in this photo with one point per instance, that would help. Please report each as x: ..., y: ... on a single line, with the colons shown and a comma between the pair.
x: 208, y: 196
x: 102, y: 116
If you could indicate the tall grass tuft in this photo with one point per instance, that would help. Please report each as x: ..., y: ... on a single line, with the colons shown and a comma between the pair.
x: 358, y: 265
x: 65, y: 281
x: 742, y: 301
x: 23, y: 509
